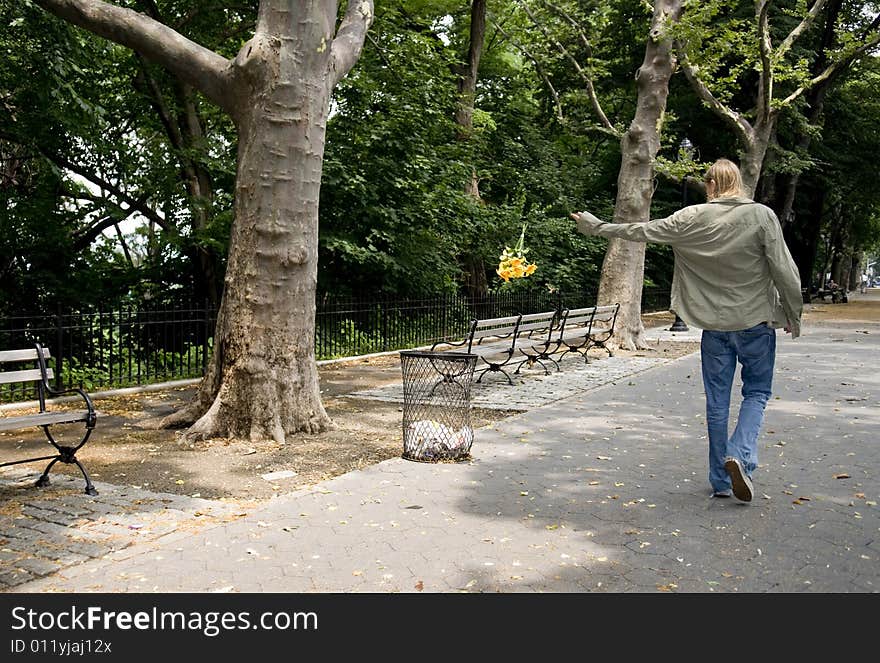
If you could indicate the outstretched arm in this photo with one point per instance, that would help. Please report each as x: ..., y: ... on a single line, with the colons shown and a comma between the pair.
x: 662, y: 231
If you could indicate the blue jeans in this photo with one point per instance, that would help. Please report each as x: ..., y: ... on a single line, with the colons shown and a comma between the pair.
x: 755, y: 349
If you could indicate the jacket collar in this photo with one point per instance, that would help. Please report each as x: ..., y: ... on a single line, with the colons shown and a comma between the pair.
x: 732, y: 200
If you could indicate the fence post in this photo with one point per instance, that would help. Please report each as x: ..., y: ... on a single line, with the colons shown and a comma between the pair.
x: 384, y: 309
x: 205, y: 339
x: 59, y: 351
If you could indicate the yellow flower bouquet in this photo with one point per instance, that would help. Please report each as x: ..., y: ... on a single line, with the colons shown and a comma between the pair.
x: 513, y: 263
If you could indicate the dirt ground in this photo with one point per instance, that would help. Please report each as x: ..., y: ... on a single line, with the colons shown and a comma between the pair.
x: 123, y: 452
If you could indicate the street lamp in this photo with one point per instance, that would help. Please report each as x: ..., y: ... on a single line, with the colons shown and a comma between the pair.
x: 686, y: 148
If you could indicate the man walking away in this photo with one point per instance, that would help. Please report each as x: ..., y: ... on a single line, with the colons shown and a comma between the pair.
x: 735, y: 279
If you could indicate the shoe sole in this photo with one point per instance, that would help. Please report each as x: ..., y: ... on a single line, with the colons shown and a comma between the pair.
x: 742, y: 488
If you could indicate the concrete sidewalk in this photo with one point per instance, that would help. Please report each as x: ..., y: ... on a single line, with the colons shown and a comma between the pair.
x: 603, y: 491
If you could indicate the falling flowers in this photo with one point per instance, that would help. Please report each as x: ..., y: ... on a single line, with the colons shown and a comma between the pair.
x: 513, y: 263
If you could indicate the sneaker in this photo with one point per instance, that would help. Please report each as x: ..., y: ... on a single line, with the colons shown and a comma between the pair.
x: 722, y: 493
x: 742, y: 484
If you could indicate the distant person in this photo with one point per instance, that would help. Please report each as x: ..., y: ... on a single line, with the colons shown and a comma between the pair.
x: 863, y: 288
x: 731, y: 266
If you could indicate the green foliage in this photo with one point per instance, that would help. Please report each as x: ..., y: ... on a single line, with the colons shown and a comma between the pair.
x: 394, y: 215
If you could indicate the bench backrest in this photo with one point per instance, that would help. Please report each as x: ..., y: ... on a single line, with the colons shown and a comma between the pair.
x: 493, y: 328
x: 606, y: 315
x: 24, y: 375
x: 537, y: 322
x: 580, y: 317
x: 41, y: 374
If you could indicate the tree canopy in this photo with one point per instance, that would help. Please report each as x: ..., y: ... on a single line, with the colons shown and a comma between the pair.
x: 117, y: 178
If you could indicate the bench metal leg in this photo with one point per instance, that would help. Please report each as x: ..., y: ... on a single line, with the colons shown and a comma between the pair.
x: 577, y: 351
x: 67, y: 455
x: 494, y: 368
x: 601, y: 344
x: 44, y: 480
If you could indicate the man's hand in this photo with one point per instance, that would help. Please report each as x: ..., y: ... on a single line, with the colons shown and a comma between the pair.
x: 586, y: 222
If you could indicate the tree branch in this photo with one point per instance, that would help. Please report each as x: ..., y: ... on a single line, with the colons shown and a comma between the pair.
x: 832, y: 70
x: 202, y: 68
x: 349, y: 38
x: 765, y: 94
x: 588, y: 82
x: 799, y: 29
x: 740, y: 125
x: 97, y: 180
x: 538, y: 67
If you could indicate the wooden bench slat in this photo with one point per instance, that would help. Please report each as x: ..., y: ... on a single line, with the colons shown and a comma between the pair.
x: 43, y: 419
x: 9, y: 356
x: 30, y: 375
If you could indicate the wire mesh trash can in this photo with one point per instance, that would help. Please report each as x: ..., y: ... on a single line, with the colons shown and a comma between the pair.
x: 437, y: 405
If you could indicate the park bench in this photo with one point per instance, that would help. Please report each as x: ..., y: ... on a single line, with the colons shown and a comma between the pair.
x: 586, y: 328
x: 539, y: 337
x: 499, y: 342
x: 45, y: 419
x: 837, y: 295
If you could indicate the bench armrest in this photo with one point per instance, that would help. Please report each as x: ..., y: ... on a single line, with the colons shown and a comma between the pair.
x: 92, y: 417
x: 452, y: 344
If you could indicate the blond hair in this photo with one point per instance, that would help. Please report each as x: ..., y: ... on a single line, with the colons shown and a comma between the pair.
x: 727, y: 178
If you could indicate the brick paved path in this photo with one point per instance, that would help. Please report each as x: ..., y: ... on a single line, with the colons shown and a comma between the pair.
x: 605, y: 490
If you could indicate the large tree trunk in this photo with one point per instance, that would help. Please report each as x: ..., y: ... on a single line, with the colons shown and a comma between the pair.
x: 752, y: 156
x: 467, y: 82
x: 474, y: 266
x: 264, y: 342
x: 262, y: 382
x: 803, y: 237
x: 623, y: 268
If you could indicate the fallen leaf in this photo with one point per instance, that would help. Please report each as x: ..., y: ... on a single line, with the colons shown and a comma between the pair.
x: 860, y: 495
x: 618, y: 484
x: 420, y: 585
x: 524, y: 493
x: 604, y: 457
x: 667, y: 588
x: 594, y: 483
x: 842, y: 475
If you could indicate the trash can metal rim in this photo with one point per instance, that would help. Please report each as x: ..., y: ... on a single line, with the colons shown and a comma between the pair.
x: 433, y: 355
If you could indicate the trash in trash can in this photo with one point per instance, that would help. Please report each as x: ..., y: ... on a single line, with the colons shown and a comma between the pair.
x: 437, y: 405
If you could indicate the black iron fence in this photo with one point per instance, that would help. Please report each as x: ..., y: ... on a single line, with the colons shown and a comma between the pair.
x: 128, y: 346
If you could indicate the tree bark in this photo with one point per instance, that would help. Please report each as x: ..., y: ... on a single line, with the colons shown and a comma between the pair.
x: 467, y: 82
x: 474, y: 266
x: 262, y: 382
x: 623, y: 267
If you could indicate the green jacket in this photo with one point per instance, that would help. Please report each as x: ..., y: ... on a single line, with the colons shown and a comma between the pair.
x: 732, y: 267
